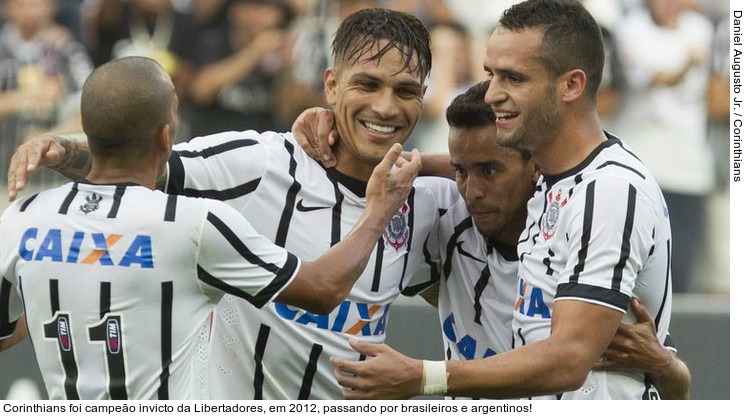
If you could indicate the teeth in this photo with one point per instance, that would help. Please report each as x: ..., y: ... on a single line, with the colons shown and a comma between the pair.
x: 378, y: 128
x: 502, y: 116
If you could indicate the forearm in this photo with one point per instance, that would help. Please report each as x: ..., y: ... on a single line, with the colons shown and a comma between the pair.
x: 674, y: 382
x: 542, y: 368
x: 76, y: 161
x: 437, y: 164
x: 580, y: 332
x: 338, y: 268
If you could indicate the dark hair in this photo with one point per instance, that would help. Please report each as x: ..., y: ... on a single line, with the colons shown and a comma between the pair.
x: 124, y: 103
x: 469, y: 110
x: 360, y: 32
x: 571, y: 37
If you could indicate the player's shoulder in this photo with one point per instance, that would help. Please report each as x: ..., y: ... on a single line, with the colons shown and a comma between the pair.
x: 614, y: 162
x: 227, y: 140
x: 40, y: 200
x: 441, y: 191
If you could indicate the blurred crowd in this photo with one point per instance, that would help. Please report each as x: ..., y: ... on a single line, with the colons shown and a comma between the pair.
x: 256, y: 64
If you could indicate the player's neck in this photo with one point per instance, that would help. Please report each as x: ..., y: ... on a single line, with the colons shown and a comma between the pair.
x: 351, y: 166
x: 571, y: 144
x: 111, y: 171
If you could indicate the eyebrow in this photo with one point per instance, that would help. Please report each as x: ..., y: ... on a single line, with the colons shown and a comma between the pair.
x: 478, y: 164
x: 358, y: 77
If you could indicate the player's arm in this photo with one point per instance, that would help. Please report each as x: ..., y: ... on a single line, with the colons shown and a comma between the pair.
x: 19, y: 333
x: 314, y: 130
x: 331, y: 276
x: 67, y: 154
x: 636, y: 348
x: 233, y: 258
x: 560, y: 363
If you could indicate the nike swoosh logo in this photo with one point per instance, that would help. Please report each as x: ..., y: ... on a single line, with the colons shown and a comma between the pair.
x: 303, y: 208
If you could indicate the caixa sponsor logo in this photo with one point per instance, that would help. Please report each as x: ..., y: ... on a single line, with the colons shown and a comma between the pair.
x: 349, y: 317
x: 530, y: 301
x: 59, y: 247
x: 467, y: 346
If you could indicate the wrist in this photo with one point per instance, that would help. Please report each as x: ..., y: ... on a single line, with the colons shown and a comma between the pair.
x: 434, y: 378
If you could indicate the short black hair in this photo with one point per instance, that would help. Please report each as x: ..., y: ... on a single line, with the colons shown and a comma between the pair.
x: 361, y: 31
x: 124, y: 103
x: 470, y: 110
x: 571, y: 37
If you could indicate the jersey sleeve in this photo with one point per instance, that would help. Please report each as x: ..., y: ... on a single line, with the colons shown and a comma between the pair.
x: 443, y: 195
x: 223, y: 166
x: 233, y: 258
x: 610, y: 234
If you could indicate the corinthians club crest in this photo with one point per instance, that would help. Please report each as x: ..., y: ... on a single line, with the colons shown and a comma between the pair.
x: 550, y: 218
x: 91, y: 203
x: 396, y: 233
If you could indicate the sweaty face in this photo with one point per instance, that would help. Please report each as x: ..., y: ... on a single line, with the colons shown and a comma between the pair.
x: 495, y: 182
x: 376, y: 104
x: 521, y: 92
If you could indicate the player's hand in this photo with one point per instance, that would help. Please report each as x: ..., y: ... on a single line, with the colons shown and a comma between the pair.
x: 388, y: 188
x: 635, y: 347
x: 39, y: 151
x: 386, y: 374
x: 314, y: 131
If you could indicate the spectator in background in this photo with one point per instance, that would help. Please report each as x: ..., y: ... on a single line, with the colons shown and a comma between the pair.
x: 613, y: 83
x: 42, y: 70
x: 718, y: 135
x: 69, y: 15
x: 665, y: 48
x: 148, y: 28
x: 431, y: 12
x: 238, y: 67
x: 450, y: 76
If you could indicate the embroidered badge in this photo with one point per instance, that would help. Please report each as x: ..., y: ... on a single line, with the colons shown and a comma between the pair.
x: 396, y: 233
x: 91, y: 203
x: 550, y: 219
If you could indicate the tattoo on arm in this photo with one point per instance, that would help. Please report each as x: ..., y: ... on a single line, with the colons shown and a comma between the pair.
x: 76, y: 162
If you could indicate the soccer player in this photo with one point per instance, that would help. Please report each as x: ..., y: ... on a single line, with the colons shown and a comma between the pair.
x: 478, y: 233
x: 376, y: 87
x: 597, y: 232
x: 116, y: 279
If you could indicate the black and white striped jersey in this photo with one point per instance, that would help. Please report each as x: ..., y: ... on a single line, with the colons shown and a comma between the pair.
x: 116, y: 280
x: 282, y: 352
x: 598, y: 233
x: 477, y: 283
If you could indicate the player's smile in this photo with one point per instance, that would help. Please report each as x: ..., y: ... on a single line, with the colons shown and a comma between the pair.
x: 377, y: 103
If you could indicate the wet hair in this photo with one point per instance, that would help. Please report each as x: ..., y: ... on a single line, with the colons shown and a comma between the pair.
x: 360, y: 32
x: 123, y: 105
x: 469, y: 110
x: 571, y: 37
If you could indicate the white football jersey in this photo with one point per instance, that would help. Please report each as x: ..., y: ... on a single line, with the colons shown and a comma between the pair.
x: 598, y: 233
x: 116, y: 280
x: 477, y: 290
x: 478, y: 281
x: 282, y: 352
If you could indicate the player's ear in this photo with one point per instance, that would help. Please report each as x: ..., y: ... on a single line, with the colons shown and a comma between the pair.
x: 330, y: 81
x: 573, y: 85
x: 163, y: 138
